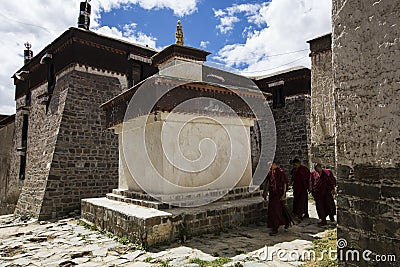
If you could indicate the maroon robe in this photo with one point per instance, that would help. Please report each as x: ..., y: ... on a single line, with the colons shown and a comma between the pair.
x: 322, y: 187
x: 277, y: 216
x: 301, y: 183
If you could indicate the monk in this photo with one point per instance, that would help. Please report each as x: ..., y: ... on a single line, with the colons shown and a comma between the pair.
x: 323, y: 190
x: 301, y: 183
x: 276, y: 185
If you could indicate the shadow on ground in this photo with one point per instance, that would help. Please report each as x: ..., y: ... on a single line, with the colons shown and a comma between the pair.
x: 250, y: 238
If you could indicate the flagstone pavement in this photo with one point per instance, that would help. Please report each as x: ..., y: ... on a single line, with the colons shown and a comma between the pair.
x: 66, y: 243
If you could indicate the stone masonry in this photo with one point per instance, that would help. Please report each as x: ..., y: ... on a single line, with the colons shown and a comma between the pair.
x: 8, y: 193
x: 71, y: 153
x: 322, y: 102
x: 131, y: 218
x: 366, y: 71
x: 60, y: 130
x: 293, y: 131
x: 14, y: 184
x: 292, y: 119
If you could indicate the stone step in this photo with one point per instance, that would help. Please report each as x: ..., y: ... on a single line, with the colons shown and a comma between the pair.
x: 151, y: 226
x: 185, y: 199
x: 140, y: 202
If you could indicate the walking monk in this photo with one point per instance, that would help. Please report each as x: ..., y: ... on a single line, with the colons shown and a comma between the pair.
x: 301, y: 183
x: 323, y: 189
x: 276, y: 185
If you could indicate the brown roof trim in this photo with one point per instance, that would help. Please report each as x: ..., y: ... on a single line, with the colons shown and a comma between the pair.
x: 115, y: 109
x: 320, y: 44
x: 77, y: 35
x: 320, y: 37
x: 7, y: 120
x: 179, y: 51
x: 66, y: 49
x: 199, y: 86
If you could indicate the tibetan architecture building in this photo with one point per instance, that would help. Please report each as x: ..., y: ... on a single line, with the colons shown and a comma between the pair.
x: 62, y: 148
x: 184, y: 141
x: 72, y: 100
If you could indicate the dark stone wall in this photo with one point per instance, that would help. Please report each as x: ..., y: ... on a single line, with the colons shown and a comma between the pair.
x: 368, y: 212
x: 85, y: 160
x: 365, y: 51
x: 71, y: 153
x: 293, y: 133
x: 7, y: 201
x: 42, y: 136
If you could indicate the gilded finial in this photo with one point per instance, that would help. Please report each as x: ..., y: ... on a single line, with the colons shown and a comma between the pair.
x: 179, y: 34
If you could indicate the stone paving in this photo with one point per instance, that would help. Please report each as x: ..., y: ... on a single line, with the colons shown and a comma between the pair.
x: 68, y: 243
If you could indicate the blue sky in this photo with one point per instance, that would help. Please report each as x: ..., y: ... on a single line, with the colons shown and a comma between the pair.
x: 199, y: 26
x: 250, y: 37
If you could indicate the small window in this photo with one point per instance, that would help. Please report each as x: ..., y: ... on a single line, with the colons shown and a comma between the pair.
x: 278, y: 97
x: 51, y: 78
x: 135, y: 74
x: 22, y: 167
x: 28, y: 97
x: 24, y: 131
x: 24, y: 143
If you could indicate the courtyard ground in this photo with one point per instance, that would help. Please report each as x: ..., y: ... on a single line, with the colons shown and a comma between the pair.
x: 69, y: 242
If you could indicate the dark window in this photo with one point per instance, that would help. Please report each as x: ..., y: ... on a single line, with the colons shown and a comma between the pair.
x: 24, y: 142
x: 51, y: 78
x: 25, y: 131
x: 28, y: 98
x: 129, y: 75
x: 278, y: 97
x: 22, y: 166
x: 135, y: 73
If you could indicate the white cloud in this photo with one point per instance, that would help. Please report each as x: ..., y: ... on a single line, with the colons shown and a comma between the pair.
x: 17, y: 26
x: 219, y: 12
x: 290, y: 23
x: 203, y: 44
x: 129, y: 34
x: 228, y: 16
x: 226, y: 23
x: 41, y: 21
x: 179, y: 7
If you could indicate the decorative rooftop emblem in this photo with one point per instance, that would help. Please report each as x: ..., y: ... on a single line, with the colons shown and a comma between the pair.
x: 179, y: 34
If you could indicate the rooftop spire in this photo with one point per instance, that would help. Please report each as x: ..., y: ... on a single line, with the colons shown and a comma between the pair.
x: 28, y: 54
x: 84, y: 15
x: 179, y: 34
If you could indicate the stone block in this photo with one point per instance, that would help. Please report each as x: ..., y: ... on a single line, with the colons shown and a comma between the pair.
x: 150, y: 226
x: 359, y: 190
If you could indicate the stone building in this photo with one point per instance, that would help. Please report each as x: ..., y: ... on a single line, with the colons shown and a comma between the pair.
x: 8, y: 194
x: 322, y: 119
x: 211, y: 204
x: 290, y: 103
x: 366, y: 71
x: 215, y: 194
x: 62, y: 149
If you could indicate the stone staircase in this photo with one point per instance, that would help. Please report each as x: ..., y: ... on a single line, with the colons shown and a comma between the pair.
x: 143, y: 219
